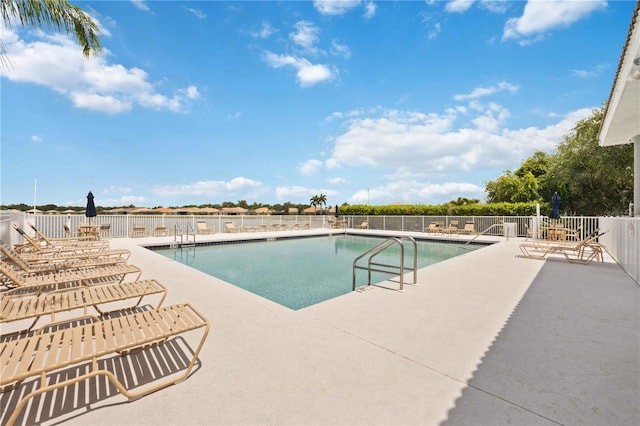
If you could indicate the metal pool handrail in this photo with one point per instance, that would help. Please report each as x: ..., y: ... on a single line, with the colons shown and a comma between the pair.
x: 379, y: 248
x: 484, y: 232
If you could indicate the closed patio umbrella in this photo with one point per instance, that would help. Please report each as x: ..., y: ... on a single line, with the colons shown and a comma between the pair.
x: 555, y: 207
x: 91, y: 207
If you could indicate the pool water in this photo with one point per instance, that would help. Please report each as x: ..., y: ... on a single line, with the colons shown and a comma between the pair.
x: 301, y: 272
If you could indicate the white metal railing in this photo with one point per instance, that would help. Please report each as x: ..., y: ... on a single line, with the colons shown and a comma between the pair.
x: 387, y: 268
x: 179, y: 236
x: 622, y: 240
x: 481, y: 223
x: 121, y: 225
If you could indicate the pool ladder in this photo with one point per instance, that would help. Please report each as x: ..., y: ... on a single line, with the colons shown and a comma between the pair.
x: 390, y: 269
x: 184, y: 242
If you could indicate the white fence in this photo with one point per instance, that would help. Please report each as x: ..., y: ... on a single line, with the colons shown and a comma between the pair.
x: 622, y: 242
x: 121, y: 225
x: 621, y: 239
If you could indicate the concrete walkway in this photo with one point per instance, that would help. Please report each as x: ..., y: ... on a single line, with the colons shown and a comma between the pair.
x: 486, y: 338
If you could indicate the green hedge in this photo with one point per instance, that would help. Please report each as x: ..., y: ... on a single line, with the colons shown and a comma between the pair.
x: 494, y: 209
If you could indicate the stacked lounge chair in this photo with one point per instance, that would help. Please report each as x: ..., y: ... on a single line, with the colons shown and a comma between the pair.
x: 44, y: 283
x: 42, y: 243
x: 583, y: 251
x: 43, y: 264
x: 13, y: 277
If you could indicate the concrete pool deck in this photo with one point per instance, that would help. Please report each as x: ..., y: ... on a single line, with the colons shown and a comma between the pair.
x: 486, y: 338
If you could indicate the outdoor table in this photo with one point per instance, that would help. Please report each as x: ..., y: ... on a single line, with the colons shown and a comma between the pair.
x: 88, y: 230
x: 558, y: 234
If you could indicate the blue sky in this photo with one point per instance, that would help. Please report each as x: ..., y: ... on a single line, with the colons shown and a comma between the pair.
x: 373, y: 102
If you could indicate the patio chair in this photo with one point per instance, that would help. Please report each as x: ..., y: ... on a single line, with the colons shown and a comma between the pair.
x: 452, y: 228
x: 67, y: 231
x: 231, y: 227
x: 35, y: 356
x: 105, y: 229
x: 469, y: 228
x: 433, y: 228
x: 202, y: 228
x: 363, y: 225
x: 160, y: 231
x: 31, y: 243
x: 113, y: 273
x: 138, y: 231
x: 528, y: 232
x: 20, y: 304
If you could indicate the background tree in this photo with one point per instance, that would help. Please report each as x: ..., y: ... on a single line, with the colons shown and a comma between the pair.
x: 463, y: 201
x: 511, y: 188
x: 318, y: 200
x: 590, y: 179
x: 322, y: 199
x: 59, y: 15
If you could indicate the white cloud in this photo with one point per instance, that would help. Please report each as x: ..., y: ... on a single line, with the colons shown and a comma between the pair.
x: 433, y: 32
x: 100, y: 103
x: 55, y: 61
x: 234, y: 116
x: 495, y: 6
x: 36, y: 138
x: 265, y: 31
x: 307, y: 74
x: 111, y: 189
x: 369, y: 10
x: 190, y: 92
x: 480, y: 92
x: 458, y: 6
x: 409, y: 144
x: 140, y: 4
x: 340, y: 49
x: 332, y: 163
x: 306, y: 36
x: 135, y: 200
x: 197, y: 13
x: 125, y: 200
x: 595, y: 72
x: 540, y: 17
x: 310, y: 167
x: 337, y: 181
x: 413, y: 191
x: 210, y: 188
x: 335, y: 7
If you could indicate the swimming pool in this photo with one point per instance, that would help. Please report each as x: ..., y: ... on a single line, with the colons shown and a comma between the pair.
x: 300, y: 272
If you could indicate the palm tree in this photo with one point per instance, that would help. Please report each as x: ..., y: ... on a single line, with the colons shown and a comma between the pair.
x: 318, y: 200
x: 57, y: 14
x: 314, y: 201
x: 322, y: 200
